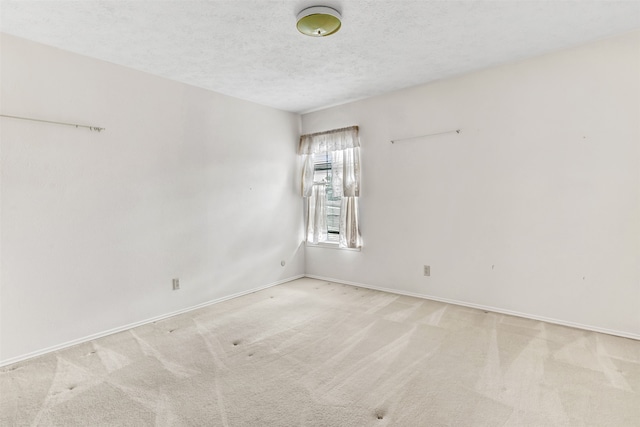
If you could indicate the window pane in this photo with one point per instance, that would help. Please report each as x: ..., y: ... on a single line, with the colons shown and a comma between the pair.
x: 322, y: 174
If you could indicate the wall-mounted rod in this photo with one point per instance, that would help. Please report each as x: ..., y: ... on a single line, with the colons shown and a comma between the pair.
x: 393, y: 141
x: 95, y: 128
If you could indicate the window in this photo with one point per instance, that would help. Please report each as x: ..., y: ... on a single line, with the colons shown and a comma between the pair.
x: 331, y: 186
x: 322, y: 168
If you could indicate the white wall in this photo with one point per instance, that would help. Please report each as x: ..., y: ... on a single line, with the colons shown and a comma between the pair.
x: 183, y: 183
x: 534, y: 208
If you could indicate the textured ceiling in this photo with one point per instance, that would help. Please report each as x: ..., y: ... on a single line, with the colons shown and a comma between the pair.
x: 252, y: 50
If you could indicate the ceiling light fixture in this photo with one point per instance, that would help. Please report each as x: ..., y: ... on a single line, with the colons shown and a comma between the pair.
x: 319, y: 21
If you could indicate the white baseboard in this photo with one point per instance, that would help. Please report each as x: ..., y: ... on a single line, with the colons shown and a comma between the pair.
x: 140, y: 323
x: 484, y: 307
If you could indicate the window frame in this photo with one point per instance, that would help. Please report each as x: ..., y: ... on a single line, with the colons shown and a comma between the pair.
x: 335, y: 152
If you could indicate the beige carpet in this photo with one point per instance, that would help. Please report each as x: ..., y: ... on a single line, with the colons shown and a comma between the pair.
x: 310, y: 353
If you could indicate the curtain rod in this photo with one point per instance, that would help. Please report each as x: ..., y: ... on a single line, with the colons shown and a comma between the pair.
x: 93, y: 128
x: 330, y: 131
x: 393, y: 141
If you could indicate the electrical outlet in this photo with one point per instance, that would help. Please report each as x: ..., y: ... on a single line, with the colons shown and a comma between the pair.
x: 427, y: 270
x: 176, y: 284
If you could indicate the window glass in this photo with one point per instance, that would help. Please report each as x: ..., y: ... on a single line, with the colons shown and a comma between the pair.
x: 322, y: 174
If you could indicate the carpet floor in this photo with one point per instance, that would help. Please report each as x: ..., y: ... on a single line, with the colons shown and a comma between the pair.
x: 312, y: 353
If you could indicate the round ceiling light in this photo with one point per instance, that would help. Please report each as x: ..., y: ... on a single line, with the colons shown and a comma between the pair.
x: 319, y: 21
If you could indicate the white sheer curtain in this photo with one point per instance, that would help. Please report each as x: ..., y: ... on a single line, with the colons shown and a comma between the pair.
x: 343, y: 145
x: 317, y: 214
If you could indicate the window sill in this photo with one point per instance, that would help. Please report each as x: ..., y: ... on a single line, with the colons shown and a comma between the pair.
x: 331, y: 245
